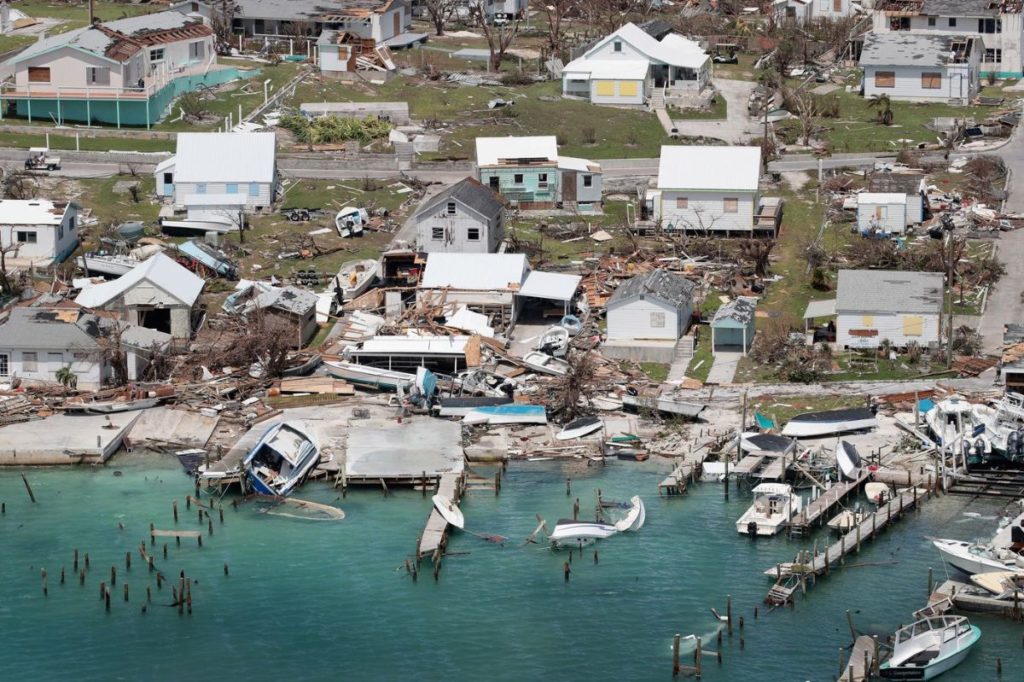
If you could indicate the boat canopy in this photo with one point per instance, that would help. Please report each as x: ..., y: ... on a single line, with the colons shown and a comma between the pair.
x: 931, y: 624
x: 772, y: 489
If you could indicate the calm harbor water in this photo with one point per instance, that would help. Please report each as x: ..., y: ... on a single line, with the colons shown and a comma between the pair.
x: 319, y: 600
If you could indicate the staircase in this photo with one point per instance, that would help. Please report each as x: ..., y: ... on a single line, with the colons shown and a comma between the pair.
x: 657, y: 100
x: 681, y: 360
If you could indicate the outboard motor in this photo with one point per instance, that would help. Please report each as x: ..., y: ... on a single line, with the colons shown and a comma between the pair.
x: 979, y: 449
x: 1019, y: 450
x: 1011, y: 443
x: 752, y: 529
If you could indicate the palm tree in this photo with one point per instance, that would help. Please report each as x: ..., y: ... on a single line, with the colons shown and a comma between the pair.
x: 884, y: 106
x: 66, y: 378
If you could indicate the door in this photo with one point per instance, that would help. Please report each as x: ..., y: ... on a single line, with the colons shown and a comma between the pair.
x: 568, y: 186
x: 492, y: 182
x: 837, y: 6
x: 398, y: 23
x: 168, y: 184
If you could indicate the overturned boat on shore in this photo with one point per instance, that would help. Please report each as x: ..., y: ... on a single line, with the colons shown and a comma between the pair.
x: 281, y: 460
x: 831, y: 422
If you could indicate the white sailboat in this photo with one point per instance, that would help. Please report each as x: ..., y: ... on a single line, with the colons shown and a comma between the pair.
x: 774, y: 505
x: 931, y: 646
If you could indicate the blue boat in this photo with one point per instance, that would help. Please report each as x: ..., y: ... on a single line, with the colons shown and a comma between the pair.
x: 281, y: 460
x: 507, y: 414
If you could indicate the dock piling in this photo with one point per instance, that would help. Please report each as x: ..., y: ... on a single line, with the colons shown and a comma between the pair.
x: 728, y: 613
x: 76, y: 561
x: 174, y: 508
x: 61, y: 575
x: 113, y: 575
x: 568, y: 487
x: 42, y: 575
x: 81, y: 576
x: 127, y: 561
x: 28, y: 487
x: 931, y: 583
x: 675, y: 656
x: 126, y: 591
x: 566, y: 570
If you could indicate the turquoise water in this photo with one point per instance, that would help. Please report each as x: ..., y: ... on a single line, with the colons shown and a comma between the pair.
x: 313, y: 600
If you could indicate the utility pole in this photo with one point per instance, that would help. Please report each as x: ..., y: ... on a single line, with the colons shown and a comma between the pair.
x: 92, y: 14
x: 949, y: 300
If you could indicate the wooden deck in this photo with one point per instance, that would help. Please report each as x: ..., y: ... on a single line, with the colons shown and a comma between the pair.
x: 813, y: 512
x: 775, y: 470
x: 688, y: 468
x: 747, y: 465
x: 862, y: 661
x: 435, y: 534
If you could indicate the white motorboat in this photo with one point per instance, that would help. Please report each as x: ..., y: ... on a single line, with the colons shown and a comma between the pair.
x: 554, y: 341
x: 545, y: 364
x: 1003, y: 584
x: 635, y: 517
x: 349, y: 221
x: 972, y: 558
x: 775, y: 504
x: 569, y: 533
x: 281, y: 459
x: 929, y: 647
x: 355, y: 277
x: 815, y: 424
x: 878, y: 493
x: 365, y: 375
x: 848, y: 461
x: 846, y: 520
x: 448, y: 510
x: 953, y: 420
x: 578, y: 428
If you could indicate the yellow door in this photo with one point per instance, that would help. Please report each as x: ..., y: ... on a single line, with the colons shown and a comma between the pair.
x: 604, y: 88
x: 627, y: 88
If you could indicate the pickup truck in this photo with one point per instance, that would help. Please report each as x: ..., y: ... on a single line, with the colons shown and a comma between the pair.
x: 40, y: 159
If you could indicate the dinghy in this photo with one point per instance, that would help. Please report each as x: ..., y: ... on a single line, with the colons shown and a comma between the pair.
x: 578, y: 428
x: 848, y: 461
x: 846, y: 520
x: 365, y: 375
x: 280, y: 460
x: 878, y: 493
x: 448, y: 510
x: 555, y: 341
x: 931, y: 646
x: 350, y: 220
x: 507, y: 414
x: 814, y: 424
x: 545, y: 364
x: 354, y: 278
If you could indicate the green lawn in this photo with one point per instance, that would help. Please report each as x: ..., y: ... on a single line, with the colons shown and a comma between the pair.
x: 783, y: 408
x: 616, y: 132
x: 559, y: 248
x: 700, y: 363
x: 718, y: 111
x: 656, y: 371
x: 9, y: 43
x: 110, y: 207
x: 94, y: 144
x: 79, y: 11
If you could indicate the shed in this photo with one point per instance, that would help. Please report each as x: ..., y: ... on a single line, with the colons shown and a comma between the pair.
x: 911, y: 184
x: 885, y: 213
x: 656, y: 305
x: 293, y: 308
x: 734, y: 326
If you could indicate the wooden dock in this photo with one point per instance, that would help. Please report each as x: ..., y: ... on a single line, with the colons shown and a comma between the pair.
x: 965, y: 597
x: 688, y: 468
x: 862, y: 661
x: 434, y: 539
x: 775, y: 470
x: 747, y: 465
x: 816, y: 510
x: 790, y: 577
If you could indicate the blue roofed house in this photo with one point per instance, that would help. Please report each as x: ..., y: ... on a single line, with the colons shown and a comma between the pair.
x: 734, y: 326
x: 123, y: 72
x: 528, y: 172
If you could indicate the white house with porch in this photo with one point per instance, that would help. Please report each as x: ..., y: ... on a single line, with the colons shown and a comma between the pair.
x: 630, y: 65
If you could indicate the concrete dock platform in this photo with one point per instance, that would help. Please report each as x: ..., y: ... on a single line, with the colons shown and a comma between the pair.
x: 173, y: 426
x: 64, y: 439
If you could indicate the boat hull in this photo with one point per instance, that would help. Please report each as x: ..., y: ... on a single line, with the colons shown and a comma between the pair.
x: 372, y: 377
x: 816, y: 424
x: 932, y: 671
x: 957, y: 555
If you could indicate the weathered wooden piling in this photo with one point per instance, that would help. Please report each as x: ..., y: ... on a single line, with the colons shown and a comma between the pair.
x: 209, y: 527
x: 159, y: 580
x: 28, y: 487
x: 149, y: 594
x: 566, y: 570
x: 174, y: 508
x: 127, y: 561
x: 188, y: 502
x: 113, y: 575
x: 61, y: 575
x: 221, y: 511
x: 595, y: 556
x: 106, y: 599
x: 728, y: 613
x: 568, y: 487
x: 103, y: 589
x: 497, y: 484
x: 87, y: 561
x: 42, y: 576
x: 76, y: 561
x: 576, y: 509
x: 675, y: 656
x: 126, y: 591
x: 226, y: 568
x: 81, y: 576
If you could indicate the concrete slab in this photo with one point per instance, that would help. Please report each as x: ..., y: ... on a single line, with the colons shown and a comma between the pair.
x: 167, y: 425
x: 389, y: 450
x: 64, y: 439
x: 724, y: 369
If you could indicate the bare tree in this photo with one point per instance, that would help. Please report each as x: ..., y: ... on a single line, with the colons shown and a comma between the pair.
x: 757, y: 252
x: 439, y: 12
x: 557, y: 13
x: 5, y: 281
x: 499, y: 37
x: 574, y: 386
x: 221, y: 19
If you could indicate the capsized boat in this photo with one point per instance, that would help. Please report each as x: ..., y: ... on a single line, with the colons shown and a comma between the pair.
x: 1003, y: 584
x: 570, y: 533
x: 448, y: 510
x: 831, y: 422
x: 774, y: 505
x: 634, y: 518
x: 972, y: 558
x: 848, y: 461
x: 578, y: 428
x: 507, y: 414
x: 554, y: 341
x: 929, y: 647
x: 280, y: 460
x: 545, y: 364
x: 355, y: 277
x: 365, y: 375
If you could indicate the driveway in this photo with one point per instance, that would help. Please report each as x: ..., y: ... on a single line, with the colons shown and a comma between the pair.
x: 738, y: 125
x: 724, y: 369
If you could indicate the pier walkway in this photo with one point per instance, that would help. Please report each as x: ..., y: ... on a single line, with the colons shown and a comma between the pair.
x: 862, y: 661
x: 435, y: 534
x: 817, y: 508
x: 790, y: 577
x: 689, y: 466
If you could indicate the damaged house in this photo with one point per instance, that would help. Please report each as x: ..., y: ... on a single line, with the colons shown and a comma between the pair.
x: 46, y: 231
x: 922, y: 67
x: 288, y: 309
x: 466, y: 218
x: 875, y: 305
x: 646, y: 316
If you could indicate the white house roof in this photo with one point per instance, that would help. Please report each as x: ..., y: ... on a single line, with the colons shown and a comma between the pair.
x: 225, y: 157
x: 164, y: 165
x: 709, y: 168
x: 550, y: 286
x: 31, y: 212
x: 158, y: 270
x: 491, y: 151
x: 881, y: 198
x: 673, y: 49
x: 475, y: 271
x: 620, y: 69
x: 577, y: 164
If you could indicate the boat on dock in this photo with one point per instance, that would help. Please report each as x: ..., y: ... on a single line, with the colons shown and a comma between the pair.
x: 355, y: 277
x: 878, y: 493
x: 775, y: 504
x: 507, y: 414
x: 929, y: 647
x: 848, y: 461
x: 829, y: 423
x: 1004, y: 584
x: 448, y: 510
x: 281, y: 460
x: 545, y: 364
x: 578, y: 428
x: 365, y: 375
x: 973, y: 558
x: 847, y: 520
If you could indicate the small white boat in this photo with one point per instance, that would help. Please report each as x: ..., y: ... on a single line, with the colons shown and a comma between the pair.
x: 847, y: 520
x: 815, y: 424
x: 712, y: 471
x: 545, y: 364
x: 112, y: 406
x: 280, y: 460
x: 578, y: 428
x: 878, y: 493
x: 848, y: 461
x: 929, y: 647
x: 365, y: 375
x: 635, y: 517
x: 569, y: 533
x: 350, y: 221
x: 108, y: 264
x: 448, y: 510
x: 200, y: 227
x: 972, y: 558
x: 507, y: 414
x: 774, y: 505
x: 1003, y: 584
x: 355, y: 277
x: 555, y: 341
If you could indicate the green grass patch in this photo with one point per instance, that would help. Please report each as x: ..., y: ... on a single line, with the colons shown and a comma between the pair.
x: 79, y: 11
x: 656, y: 371
x: 702, y: 360
x: 718, y: 111
x: 86, y: 144
x: 9, y: 43
x: 567, y: 237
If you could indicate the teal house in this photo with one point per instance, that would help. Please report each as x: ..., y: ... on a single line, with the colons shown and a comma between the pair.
x: 124, y: 73
x: 530, y: 174
x: 734, y: 326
